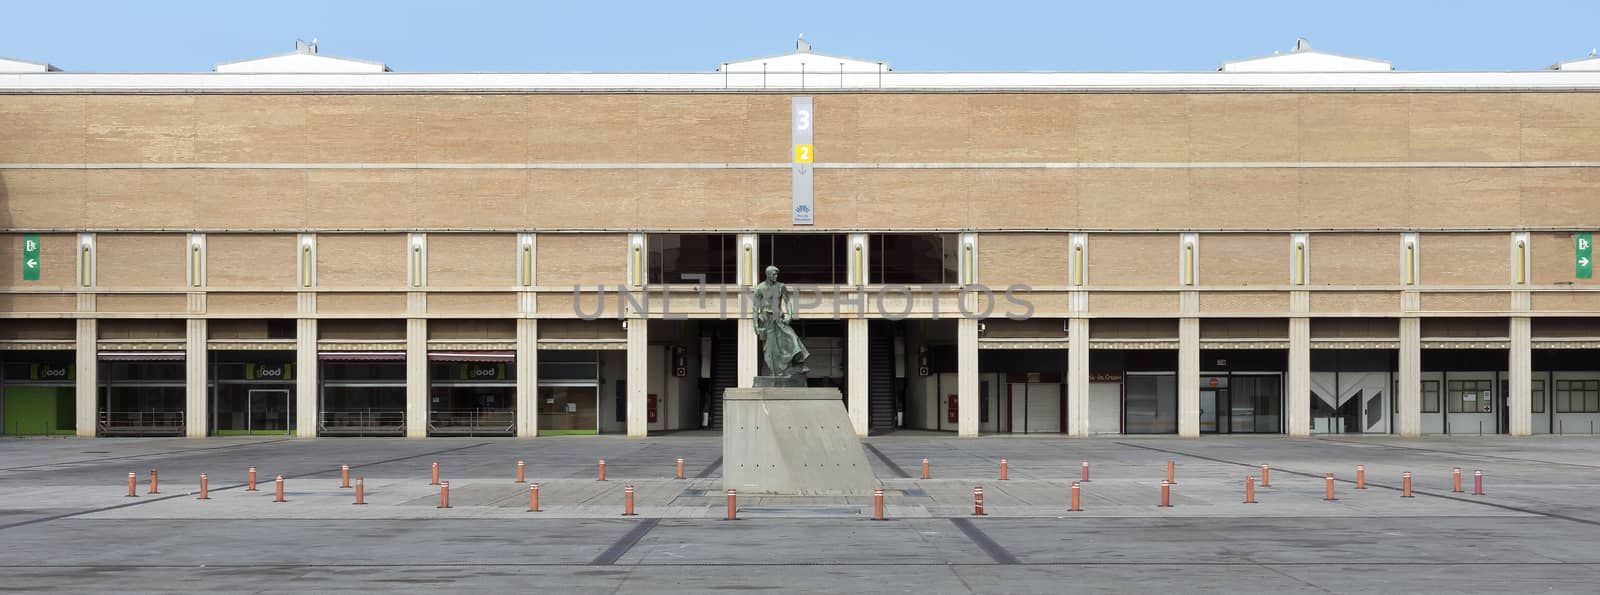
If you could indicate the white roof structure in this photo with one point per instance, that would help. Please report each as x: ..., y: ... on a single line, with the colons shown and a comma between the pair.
x: 13, y: 65
x: 1590, y: 62
x: 304, y: 59
x: 803, y: 60
x: 1304, y: 59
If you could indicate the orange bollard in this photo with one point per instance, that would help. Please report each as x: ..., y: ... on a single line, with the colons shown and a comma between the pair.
x: 153, y: 482
x: 1085, y: 471
x: 435, y: 474
x: 1003, y: 470
x: 1171, y: 468
x: 444, y: 494
x: 602, y: 470
x: 1264, y: 480
x: 680, y: 469
x: 250, y: 484
x: 925, y: 469
x: 733, y: 505
x: 521, y: 477
x: 1166, y: 494
x: 877, y: 504
x: 1361, y: 477
x: 1405, y: 485
x: 344, y: 476
x: 1477, y: 482
x: 627, y: 500
x: 361, y: 491
x: 133, y: 485
x: 1329, y: 497
x: 1074, y: 507
x: 977, y: 501
x: 205, y: 488
x: 1249, y: 489
x: 1455, y: 485
x: 533, y: 497
x: 279, y: 490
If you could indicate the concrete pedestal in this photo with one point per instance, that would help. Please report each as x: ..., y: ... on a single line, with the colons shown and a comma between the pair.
x: 791, y: 441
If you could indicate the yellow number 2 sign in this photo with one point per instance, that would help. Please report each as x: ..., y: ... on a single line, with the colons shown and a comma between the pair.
x: 802, y: 153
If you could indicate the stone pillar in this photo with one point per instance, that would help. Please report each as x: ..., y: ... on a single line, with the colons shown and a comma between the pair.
x: 967, y: 377
x: 1078, y: 377
x: 638, y: 377
x: 1410, y: 376
x: 87, y: 371
x: 749, y: 363
x: 856, y: 328
x: 1520, y: 402
x: 416, y: 378
x: 1189, y: 377
x: 307, y: 374
x: 196, y: 413
x: 527, y: 377
x: 1298, y: 395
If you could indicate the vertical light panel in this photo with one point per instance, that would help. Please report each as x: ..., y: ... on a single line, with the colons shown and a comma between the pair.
x: 1080, y: 259
x: 859, y: 257
x: 1520, y: 258
x: 749, y: 255
x: 1188, y: 259
x: 417, y: 259
x: 1299, y: 258
x: 969, y: 258
x: 308, y: 260
x: 1408, y: 259
x: 636, y: 259
x: 86, y: 260
x: 803, y: 123
x: 525, y: 259
x: 197, y: 260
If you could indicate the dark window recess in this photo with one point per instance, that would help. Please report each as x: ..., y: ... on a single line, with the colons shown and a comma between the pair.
x: 913, y: 258
x: 681, y: 258
x: 279, y: 328
x: 622, y: 401
x: 814, y: 259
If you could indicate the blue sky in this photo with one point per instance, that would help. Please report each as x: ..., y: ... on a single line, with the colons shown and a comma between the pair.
x: 686, y: 35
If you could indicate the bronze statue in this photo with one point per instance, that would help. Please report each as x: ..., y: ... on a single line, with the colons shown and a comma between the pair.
x: 782, y: 350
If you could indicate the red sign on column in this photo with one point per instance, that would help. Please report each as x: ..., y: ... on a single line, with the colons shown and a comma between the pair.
x: 955, y: 410
x: 650, y: 408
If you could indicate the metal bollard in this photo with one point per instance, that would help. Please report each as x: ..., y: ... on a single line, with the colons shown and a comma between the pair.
x: 1264, y: 479
x: 602, y: 470
x: 444, y: 494
x: 278, y: 489
x: 251, y: 482
x: 344, y: 476
x: 205, y: 488
x: 1361, y: 477
x: 361, y: 491
x: 680, y: 469
x: 1405, y: 485
x: 1085, y: 472
x: 1329, y: 497
x: 533, y: 497
x: 1074, y: 507
x: 627, y: 500
x: 521, y: 477
x: 1166, y: 494
x: 925, y: 469
x: 877, y: 504
x: 1003, y: 466
x: 733, y: 505
x: 153, y: 482
x: 133, y: 485
x: 1477, y: 482
x: 435, y: 480
x: 1455, y: 482
x: 1249, y: 489
x: 1171, y: 468
x: 977, y: 501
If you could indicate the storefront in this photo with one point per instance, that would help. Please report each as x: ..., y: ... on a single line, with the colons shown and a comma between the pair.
x: 37, y: 398
x: 141, y: 393
x: 252, y: 393
x: 472, y: 393
x: 569, y: 392
x: 363, y: 393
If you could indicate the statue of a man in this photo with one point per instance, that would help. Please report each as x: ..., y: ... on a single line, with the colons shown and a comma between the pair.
x: 781, y: 349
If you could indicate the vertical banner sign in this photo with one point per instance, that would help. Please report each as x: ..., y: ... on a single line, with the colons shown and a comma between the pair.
x: 1584, y: 243
x: 30, y: 257
x: 801, y: 125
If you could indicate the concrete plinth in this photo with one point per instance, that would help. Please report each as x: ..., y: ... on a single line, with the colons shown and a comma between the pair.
x: 791, y: 440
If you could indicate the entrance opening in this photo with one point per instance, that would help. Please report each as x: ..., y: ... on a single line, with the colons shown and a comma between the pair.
x: 1032, y: 397
x: 1352, y: 391
x: 1241, y: 391
x: 253, y: 393
x: 363, y: 393
x: 39, y: 397
x: 569, y: 392
x: 141, y: 394
x: 472, y: 394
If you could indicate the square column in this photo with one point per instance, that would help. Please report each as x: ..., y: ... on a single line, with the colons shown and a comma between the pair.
x: 1078, y: 377
x: 307, y: 373
x: 967, y: 377
x: 638, y: 384
x: 416, y: 378
x: 1188, y: 376
x: 527, y: 377
x: 1410, y: 374
x: 1298, y: 395
x: 195, y: 410
x: 856, y: 330
x: 86, y: 388
x: 1520, y: 402
x: 749, y: 364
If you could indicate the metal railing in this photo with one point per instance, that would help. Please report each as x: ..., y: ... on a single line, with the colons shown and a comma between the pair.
x: 362, y: 422
x: 152, y: 422
x: 476, y: 422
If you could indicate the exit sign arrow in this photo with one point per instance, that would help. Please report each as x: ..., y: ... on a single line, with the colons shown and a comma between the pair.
x: 1583, y: 242
x: 30, y: 257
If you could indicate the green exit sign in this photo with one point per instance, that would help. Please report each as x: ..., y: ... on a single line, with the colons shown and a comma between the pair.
x: 1584, y: 243
x: 30, y: 257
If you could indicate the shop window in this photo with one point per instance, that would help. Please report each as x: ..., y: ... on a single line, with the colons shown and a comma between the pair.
x: 1468, y: 396
x: 1538, y: 396
x: 682, y: 258
x: 906, y: 259
x: 814, y: 259
x: 1578, y: 396
x: 1430, y: 396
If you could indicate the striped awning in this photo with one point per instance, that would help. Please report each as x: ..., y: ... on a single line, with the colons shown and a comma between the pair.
x: 362, y: 356
x: 472, y: 356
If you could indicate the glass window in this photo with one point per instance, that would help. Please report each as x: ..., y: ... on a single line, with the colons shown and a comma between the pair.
x: 1538, y: 396
x: 364, y: 371
x: 557, y: 365
x: 681, y: 258
x: 1430, y: 396
x: 914, y: 259
x: 1578, y: 396
x: 1468, y: 396
x: 814, y: 259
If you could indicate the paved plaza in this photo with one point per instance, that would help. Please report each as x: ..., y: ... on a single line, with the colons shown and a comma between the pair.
x: 67, y: 524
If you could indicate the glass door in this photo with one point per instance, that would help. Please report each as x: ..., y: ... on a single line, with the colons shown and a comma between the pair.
x: 269, y: 410
x: 569, y: 410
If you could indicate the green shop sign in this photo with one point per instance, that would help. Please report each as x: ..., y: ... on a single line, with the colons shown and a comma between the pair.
x: 283, y: 371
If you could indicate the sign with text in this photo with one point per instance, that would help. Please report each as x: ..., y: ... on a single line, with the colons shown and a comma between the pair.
x: 801, y: 125
x: 1584, y: 243
x: 283, y: 371
x: 60, y: 372
x: 30, y: 257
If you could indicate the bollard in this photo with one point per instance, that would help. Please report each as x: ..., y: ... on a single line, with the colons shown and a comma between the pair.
x: 278, y: 489
x: 1264, y: 479
x: 133, y: 485
x: 877, y: 504
x: 1166, y: 494
x: 602, y: 470
x: 1405, y: 485
x: 1477, y: 482
x: 1003, y: 470
x: 1074, y: 507
x: 251, y: 482
x: 344, y: 476
x: 680, y: 469
x: 205, y: 488
x: 153, y: 482
x: 977, y: 501
x: 1249, y: 489
x: 361, y: 491
x: 1361, y: 477
x: 925, y: 469
x: 521, y: 477
x: 444, y: 494
x: 1455, y: 482
x: 627, y: 500
x: 533, y: 497
x: 435, y: 480
x: 1329, y: 497
x: 1085, y: 471
x: 1171, y: 479
x: 733, y: 505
